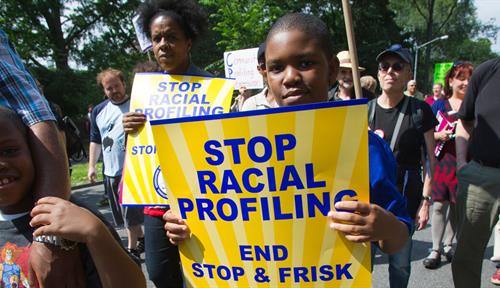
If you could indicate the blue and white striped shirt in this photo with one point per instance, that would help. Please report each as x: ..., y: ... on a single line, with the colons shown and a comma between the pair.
x: 18, y: 89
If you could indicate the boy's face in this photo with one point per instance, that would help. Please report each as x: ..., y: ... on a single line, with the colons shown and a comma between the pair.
x: 16, y: 169
x: 298, y: 70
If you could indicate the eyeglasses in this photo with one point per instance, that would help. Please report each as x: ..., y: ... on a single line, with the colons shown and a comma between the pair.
x: 384, y: 66
x: 460, y: 63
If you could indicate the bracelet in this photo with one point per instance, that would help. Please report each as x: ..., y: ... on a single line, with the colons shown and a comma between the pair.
x: 57, y: 241
x: 428, y: 198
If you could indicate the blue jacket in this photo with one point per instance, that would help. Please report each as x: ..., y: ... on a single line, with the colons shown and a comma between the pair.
x: 383, y: 190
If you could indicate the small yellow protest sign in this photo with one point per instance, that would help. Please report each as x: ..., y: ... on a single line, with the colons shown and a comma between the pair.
x: 255, y: 189
x: 164, y: 96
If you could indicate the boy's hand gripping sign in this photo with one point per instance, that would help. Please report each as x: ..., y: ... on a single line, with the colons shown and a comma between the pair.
x: 163, y: 96
x: 255, y: 189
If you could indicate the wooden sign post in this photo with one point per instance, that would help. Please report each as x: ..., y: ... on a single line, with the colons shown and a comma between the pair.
x: 346, y: 7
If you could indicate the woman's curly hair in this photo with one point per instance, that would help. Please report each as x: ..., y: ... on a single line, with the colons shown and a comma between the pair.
x: 187, y: 13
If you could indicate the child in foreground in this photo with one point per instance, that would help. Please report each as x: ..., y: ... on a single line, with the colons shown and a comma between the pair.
x: 300, y: 66
x: 104, y: 261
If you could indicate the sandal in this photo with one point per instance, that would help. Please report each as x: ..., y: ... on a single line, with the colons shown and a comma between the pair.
x: 448, y: 252
x: 433, y: 260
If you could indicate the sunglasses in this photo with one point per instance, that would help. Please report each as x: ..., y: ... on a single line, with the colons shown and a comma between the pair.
x: 384, y: 66
x: 457, y: 64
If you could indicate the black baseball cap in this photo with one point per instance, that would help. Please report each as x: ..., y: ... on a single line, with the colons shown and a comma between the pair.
x: 397, y: 50
x: 261, y: 57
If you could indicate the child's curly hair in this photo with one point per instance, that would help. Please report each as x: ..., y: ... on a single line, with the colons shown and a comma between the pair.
x: 187, y: 13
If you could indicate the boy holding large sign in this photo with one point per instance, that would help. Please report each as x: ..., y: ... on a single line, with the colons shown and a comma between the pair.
x: 300, y: 66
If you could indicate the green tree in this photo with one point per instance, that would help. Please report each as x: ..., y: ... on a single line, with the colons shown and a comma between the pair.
x: 424, y: 20
x: 375, y: 29
x: 244, y: 23
x: 54, y: 35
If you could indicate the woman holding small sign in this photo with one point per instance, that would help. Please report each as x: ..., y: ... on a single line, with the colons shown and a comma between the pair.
x: 444, y: 186
x: 172, y: 26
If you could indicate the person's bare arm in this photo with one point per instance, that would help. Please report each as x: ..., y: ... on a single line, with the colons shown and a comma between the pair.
x: 51, y: 266
x: 94, y: 152
x: 65, y: 219
x: 430, y: 145
x: 51, y: 162
x: 464, y: 130
x: 423, y: 210
x: 115, y: 267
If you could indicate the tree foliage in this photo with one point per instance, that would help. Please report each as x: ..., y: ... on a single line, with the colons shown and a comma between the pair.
x: 424, y: 20
x: 67, y: 42
x: 244, y: 23
x: 54, y: 35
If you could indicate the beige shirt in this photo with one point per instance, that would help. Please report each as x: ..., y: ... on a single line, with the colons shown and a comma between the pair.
x: 258, y: 102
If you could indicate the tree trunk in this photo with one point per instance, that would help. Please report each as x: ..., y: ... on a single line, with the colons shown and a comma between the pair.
x: 52, y: 14
x: 424, y: 87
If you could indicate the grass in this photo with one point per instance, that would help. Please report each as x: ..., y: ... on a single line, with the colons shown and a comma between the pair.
x: 79, y: 175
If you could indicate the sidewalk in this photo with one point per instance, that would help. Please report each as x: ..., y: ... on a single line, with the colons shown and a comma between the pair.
x: 420, y: 276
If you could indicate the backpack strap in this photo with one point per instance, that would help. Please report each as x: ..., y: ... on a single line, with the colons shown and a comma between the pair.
x: 371, y: 111
x: 395, y: 134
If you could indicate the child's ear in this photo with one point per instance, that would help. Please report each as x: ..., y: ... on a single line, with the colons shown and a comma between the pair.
x: 334, y: 69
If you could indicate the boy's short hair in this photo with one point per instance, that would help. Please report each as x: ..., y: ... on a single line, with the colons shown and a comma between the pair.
x: 9, y: 115
x: 308, y: 24
x: 109, y: 71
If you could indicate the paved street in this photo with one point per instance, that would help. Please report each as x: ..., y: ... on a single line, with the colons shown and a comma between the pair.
x: 421, y: 277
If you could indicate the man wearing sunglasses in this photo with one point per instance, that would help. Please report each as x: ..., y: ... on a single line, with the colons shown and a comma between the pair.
x: 406, y: 124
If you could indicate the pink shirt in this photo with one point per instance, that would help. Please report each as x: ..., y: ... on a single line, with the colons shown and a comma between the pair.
x: 430, y: 100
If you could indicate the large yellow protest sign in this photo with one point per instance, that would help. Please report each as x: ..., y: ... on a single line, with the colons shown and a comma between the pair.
x: 255, y: 189
x: 164, y: 96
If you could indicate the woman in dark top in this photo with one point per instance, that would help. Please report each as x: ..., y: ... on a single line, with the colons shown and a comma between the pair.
x: 173, y: 26
x: 444, y: 185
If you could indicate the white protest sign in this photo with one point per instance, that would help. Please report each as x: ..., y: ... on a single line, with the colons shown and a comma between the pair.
x: 144, y: 41
x: 242, y: 66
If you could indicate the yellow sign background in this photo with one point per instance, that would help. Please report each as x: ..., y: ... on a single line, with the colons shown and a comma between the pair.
x: 333, y: 139
x: 141, y: 175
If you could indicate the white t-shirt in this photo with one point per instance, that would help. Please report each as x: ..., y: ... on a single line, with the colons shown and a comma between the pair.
x: 258, y: 102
